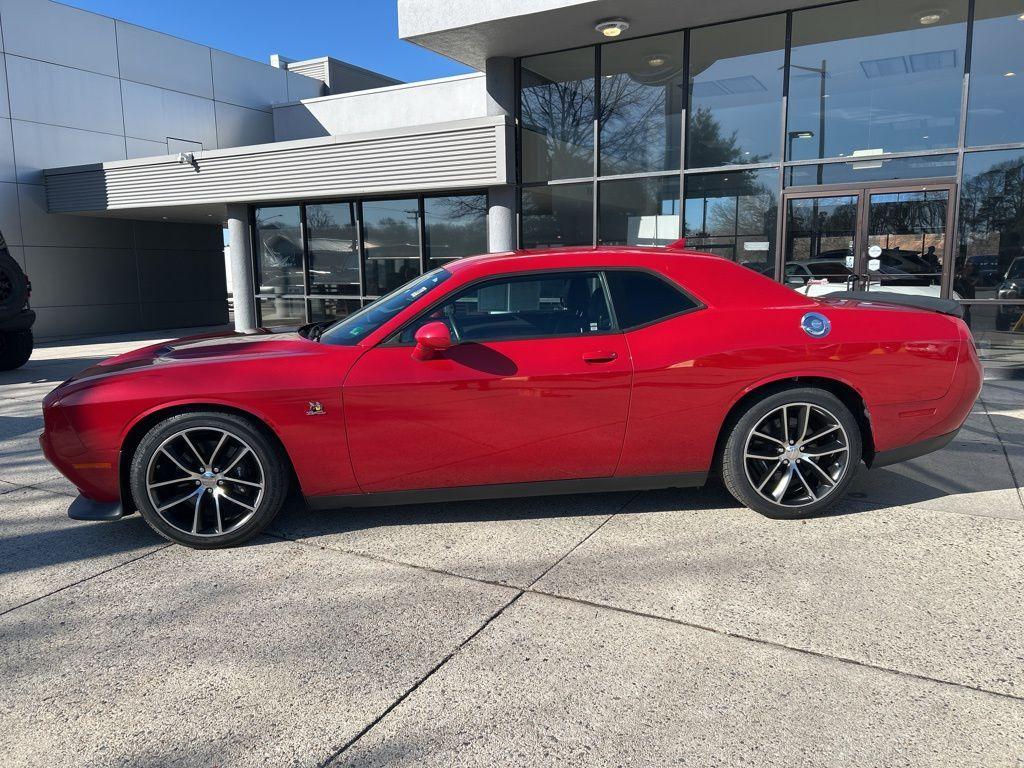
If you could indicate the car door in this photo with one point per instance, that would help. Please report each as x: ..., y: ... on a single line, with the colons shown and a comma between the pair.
x: 534, y: 388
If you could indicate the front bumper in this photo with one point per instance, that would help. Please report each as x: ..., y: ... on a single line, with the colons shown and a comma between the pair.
x: 83, y: 508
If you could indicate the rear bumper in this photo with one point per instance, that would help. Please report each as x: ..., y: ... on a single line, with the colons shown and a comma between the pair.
x: 912, y: 451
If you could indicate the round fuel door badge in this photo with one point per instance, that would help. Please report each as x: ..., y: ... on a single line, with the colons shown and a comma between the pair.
x: 815, y: 325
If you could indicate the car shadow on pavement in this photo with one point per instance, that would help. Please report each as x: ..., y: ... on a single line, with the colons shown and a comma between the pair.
x: 43, y: 371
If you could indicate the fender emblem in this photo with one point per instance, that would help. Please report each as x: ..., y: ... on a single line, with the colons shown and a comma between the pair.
x: 316, y: 409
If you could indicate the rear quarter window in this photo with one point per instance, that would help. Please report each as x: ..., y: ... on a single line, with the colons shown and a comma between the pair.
x: 641, y: 298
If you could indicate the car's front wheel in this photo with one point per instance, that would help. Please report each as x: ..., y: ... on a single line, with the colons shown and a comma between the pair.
x: 792, y: 454
x: 207, y: 479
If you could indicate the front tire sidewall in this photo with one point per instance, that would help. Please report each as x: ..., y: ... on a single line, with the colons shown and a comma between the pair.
x: 275, y: 473
x: 733, y: 469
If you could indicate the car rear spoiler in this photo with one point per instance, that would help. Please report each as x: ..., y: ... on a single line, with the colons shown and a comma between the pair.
x: 943, y: 306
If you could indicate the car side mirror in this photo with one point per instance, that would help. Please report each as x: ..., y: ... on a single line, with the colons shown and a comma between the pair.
x: 431, y: 339
x: 794, y: 281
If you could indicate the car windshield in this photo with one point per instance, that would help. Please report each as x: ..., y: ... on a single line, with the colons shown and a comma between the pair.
x: 357, y: 326
x: 1016, y: 270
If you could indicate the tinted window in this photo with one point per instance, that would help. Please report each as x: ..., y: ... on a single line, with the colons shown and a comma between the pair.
x: 392, y: 244
x: 558, y: 215
x: 736, y: 92
x: 454, y: 226
x: 875, y: 76
x: 279, y: 251
x: 557, y: 104
x: 641, y: 104
x: 556, y: 304
x: 640, y: 298
x: 333, y: 249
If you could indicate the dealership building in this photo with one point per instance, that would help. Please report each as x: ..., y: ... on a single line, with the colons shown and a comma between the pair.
x: 864, y: 144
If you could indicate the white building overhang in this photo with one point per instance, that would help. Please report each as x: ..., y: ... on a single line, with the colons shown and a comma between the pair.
x: 471, y: 153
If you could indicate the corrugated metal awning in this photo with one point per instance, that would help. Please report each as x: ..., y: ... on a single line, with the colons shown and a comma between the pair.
x: 463, y: 154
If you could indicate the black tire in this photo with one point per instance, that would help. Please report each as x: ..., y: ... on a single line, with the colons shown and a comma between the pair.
x: 15, y: 349
x: 805, y: 493
x: 226, y: 517
x: 13, y: 285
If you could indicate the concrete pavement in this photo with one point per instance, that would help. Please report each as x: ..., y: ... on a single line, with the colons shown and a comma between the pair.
x: 643, y: 629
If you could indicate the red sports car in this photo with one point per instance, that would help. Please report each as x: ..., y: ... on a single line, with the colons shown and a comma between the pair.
x: 569, y: 370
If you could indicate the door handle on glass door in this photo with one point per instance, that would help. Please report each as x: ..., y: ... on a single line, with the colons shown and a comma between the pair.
x: 600, y: 357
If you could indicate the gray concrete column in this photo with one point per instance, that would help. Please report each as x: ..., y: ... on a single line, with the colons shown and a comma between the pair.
x: 242, y: 283
x: 501, y: 100
x: 501, y: 218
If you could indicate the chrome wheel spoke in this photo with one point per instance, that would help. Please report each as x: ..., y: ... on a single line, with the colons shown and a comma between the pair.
x: 803, y: 428
x: 803, y: 480
x: 242, y: 482
x: 177, y: 463
x: 195, y: 516
x: 239, y: 502
x: 199, y: 458
x: 773, y: 457
x: 783, y: 485
x: 768, y: 475
x: 819, y: 454
x: 814, y: 438
x: 169, y: 482
x: 237, y: 459
x: 176, y: 502
x: 216, y: 450
x: 763, y: 436
x: 216, y: 507
x: 825, y: 475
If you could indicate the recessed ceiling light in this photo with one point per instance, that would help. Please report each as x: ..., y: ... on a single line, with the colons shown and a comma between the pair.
x: 1021, y: 17
x: 928, y: 19
x: 1009, y: 74
x: 612, y: 27
x: 657, y: 60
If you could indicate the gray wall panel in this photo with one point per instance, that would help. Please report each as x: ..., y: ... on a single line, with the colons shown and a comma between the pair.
x: 7, y: 170
x: 59, y: 34
x: 10, y: 215
x: 87, y: 319
x: 238, y: 126
x: 38, y: 146
x: 50, y: 93
x: 162, y: 235
x: 164, y: 61
x: 183, y: 314
x: 246, y: 82
x: 156, y: 113
x: 182, y: 276
x: 40, y: 228
x: 65, y: 276
x: 5, y: 110
x: 145, y: 147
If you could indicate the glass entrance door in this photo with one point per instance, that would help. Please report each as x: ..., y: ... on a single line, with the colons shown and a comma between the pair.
x: 871, y: 239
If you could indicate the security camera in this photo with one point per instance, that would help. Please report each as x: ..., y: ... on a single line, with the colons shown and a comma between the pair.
x: 186, y: 158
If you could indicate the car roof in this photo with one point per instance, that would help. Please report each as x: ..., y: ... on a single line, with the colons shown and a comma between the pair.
x: 713, y: 279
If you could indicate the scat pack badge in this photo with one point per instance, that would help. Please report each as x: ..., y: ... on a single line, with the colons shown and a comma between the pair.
x: 316, y: 408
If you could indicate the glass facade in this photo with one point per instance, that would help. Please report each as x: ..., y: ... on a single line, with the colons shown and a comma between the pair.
x: 868, y: 144
x: 323, y: 260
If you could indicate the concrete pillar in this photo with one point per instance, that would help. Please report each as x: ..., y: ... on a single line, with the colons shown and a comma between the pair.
x: 501, y: 101
x: 501, y: 218
x: 243, y: 285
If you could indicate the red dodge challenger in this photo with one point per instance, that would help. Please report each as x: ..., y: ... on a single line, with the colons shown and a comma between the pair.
x: 544, y: 372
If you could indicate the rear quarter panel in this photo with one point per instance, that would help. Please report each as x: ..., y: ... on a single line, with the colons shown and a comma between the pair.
x: 691, y: 370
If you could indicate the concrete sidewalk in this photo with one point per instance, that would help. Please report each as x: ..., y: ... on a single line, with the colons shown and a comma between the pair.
x: 644, y: 629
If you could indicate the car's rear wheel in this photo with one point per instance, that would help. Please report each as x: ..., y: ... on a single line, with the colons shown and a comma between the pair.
x: 207, y: 479
x: 792, y: 454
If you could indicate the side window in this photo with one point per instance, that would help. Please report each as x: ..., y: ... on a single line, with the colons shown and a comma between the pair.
x: 527, y: 307
x: 640, y: 298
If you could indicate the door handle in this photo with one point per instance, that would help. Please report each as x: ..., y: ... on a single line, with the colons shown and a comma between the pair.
x: 600, y: 357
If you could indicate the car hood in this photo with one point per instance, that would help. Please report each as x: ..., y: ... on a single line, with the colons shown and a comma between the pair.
x: 266, y: 343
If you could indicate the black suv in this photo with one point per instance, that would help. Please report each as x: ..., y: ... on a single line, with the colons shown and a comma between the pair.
x: 15, y: 317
